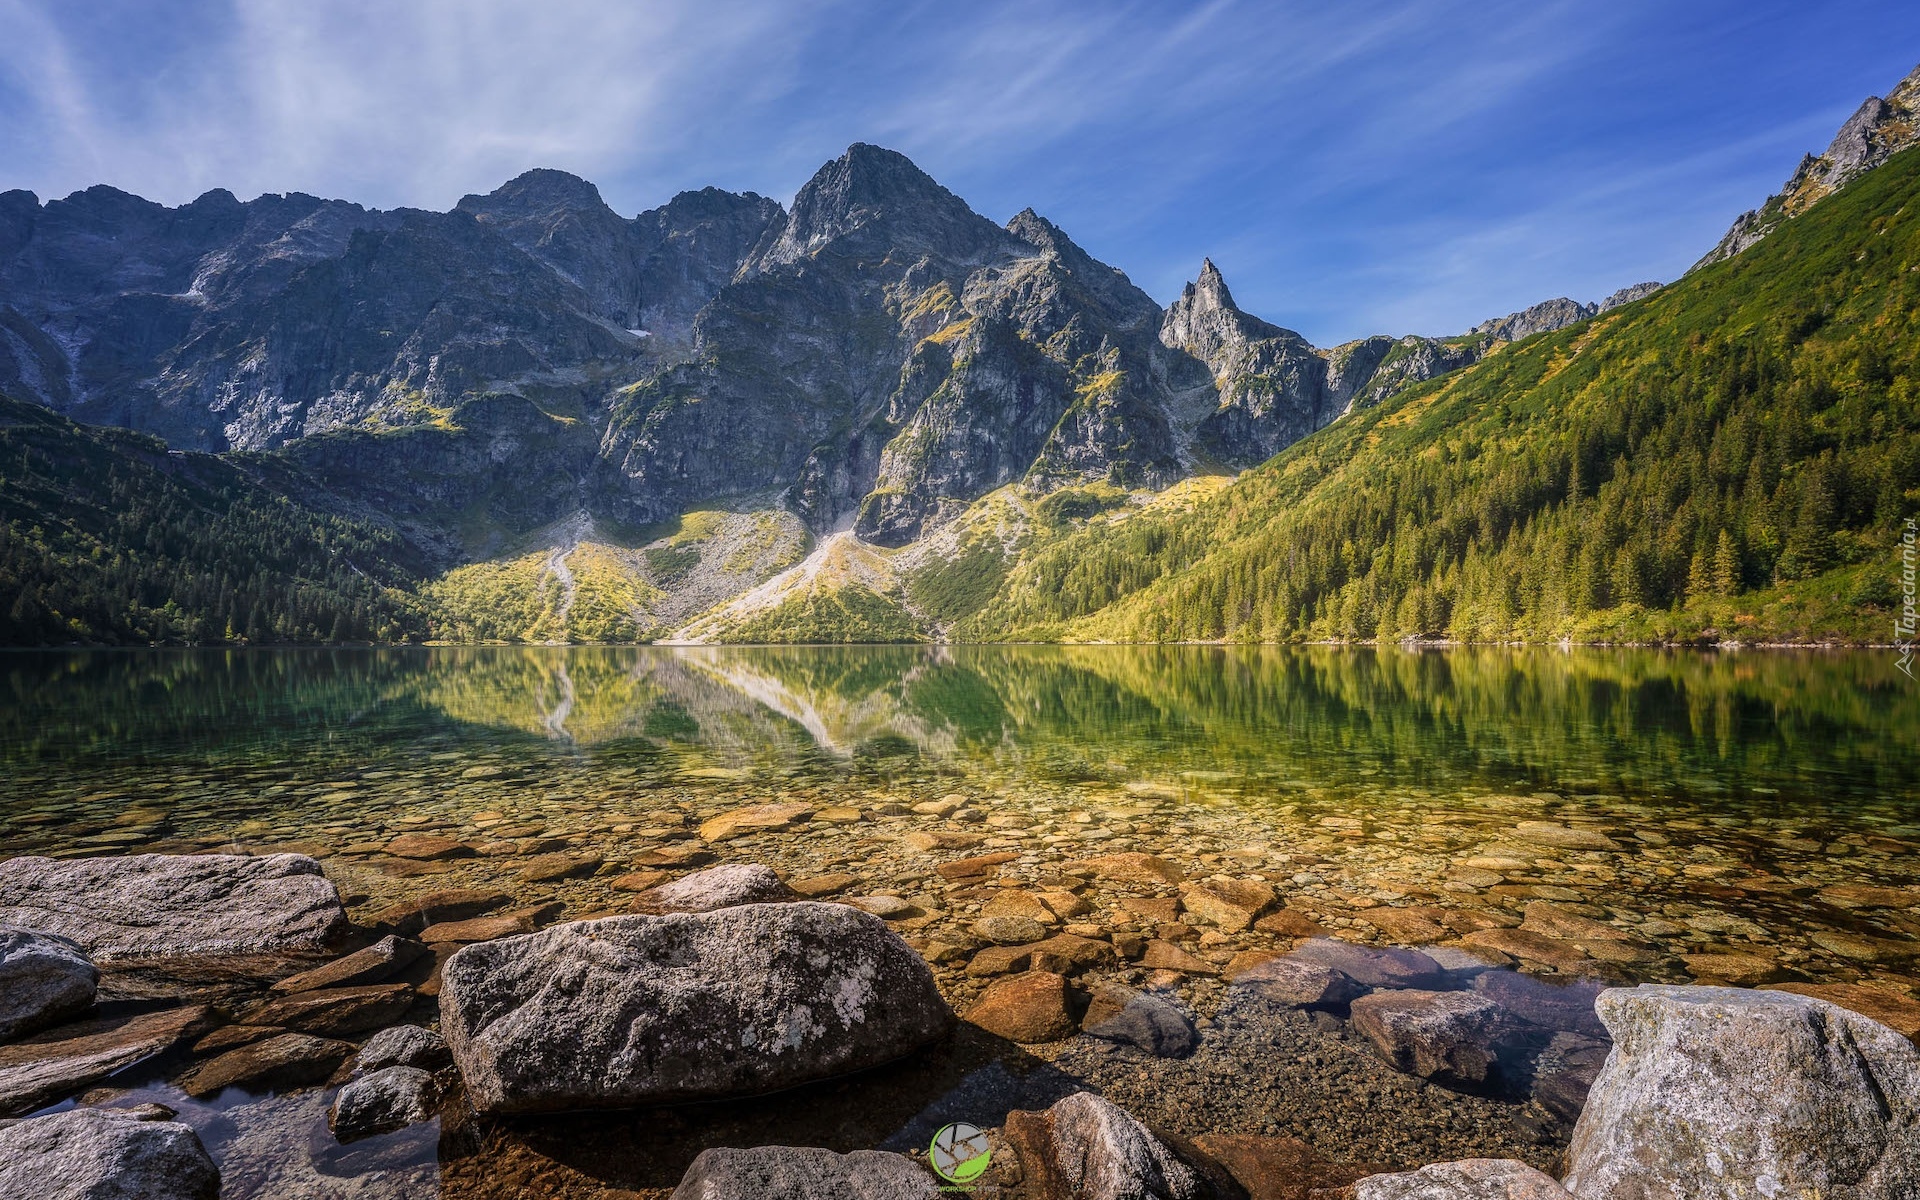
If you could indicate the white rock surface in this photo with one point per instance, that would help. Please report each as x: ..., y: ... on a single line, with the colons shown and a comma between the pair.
x: 714, y: 888
x: 1467, y: 1179
x: 796, y: 1173
x: 99, y: 1154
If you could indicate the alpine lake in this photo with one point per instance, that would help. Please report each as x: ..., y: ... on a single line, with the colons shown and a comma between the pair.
x: 1563, y: 814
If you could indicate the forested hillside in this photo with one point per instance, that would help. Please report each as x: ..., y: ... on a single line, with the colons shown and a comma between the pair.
x: 1733, y: 457
x: 107, y: 537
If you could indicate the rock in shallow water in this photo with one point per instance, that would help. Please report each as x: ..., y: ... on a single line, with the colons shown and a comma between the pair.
x: 383, y: 1101
x: 61, y: 1061
x: 1087, y: 1148
x: 1448, y: 1037
x: 402, y: 1046
x: 642, y: 1010
x: 796, y: 1173
x: 97, y: 1154
x: 1032, y: 1007
x: 1371, y: 966
x: 1140, y: 1019
x: 715, y: 888
x: 175, y: 905
x: 1468, y: 1179
x: 1721, y: 1092
x: 43, y: 980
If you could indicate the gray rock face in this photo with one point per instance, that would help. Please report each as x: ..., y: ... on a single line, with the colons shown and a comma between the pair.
x: 43, y: 980
x: 99, y: 1154
x: 794, y: 1173
x: 402, y: 1046
x: 1545, y: 317
x: 175, y: 905
x: 1449, y: 1037
x: 1087, y: 1148
x: 1627, y: 295
x: 383, y: 1101
x: 637, y: 1010
x: 1301, y: 983
x: 1722, y: 1092
x: 369, y: 965
x: 1468, y: 1179
x: 716, y: 887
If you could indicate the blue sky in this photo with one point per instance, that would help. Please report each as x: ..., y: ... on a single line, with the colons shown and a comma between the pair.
x: 1354, y: 167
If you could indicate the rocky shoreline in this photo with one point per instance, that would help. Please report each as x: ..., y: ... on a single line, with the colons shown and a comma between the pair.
x: 1109, y: 1025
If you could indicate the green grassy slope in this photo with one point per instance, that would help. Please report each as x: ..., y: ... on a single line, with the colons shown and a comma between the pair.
x: 1733, y: 457
x: 107, y: 538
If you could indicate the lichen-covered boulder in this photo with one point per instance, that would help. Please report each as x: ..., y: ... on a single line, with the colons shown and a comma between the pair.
x: 716, y: 887
x: 804, y: 1173
x: 689, y: 1006
x: 1722, y: 1092
x: 382, y: 1101
x: 144, y: 906
x: 43, y: 980
x: 102, y: 1154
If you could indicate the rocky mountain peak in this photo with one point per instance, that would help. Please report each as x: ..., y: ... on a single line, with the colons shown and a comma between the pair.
x: 879, y: 197
x: 541, y: 190
x: 1544, y: 317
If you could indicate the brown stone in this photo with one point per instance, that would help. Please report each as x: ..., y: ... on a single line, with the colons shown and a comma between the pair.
x: 289, y: 1060
x: 547, y: 868
x: 1405, y: 925
x: 1246, y: 960
x: 1161, y: 910
x: 1896, y: 1012
x: 676, y: 856
x: 427, y: 845
x: 336, y: 1012
x: 823, y: 885
x: 982, y: 867
x: 1466, y: 920
x: 1279, y: 1168
x: 1031, y: 1007
x: 383, y: 959
x: 638, y: 881
x: 1740, y: 970
x: 1860, y: 895
x: 928, y: 840
x: 1130, y: 867
x: 1561, y: 837
x: 1290, y: 922
x: 756, y: 818
x: 1064, y: 904
x: 1069, y: 954
x: 450, y: 904
x: 1299, y: 983
x: 1232, y: 904
x: 229, y: 1036
x: 1014, y: 903
x: 49, y: 1066
x: 1862, y: 948
x: 479, y: 929
x: 1531, y: 947
x: 999, y: 960
x: 1165, y: 956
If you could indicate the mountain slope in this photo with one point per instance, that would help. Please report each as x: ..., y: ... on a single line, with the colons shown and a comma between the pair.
x: 106, y: 536
x: 1734, y: 456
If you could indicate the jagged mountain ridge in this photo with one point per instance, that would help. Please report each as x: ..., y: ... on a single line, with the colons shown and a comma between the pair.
x: 879, y: 353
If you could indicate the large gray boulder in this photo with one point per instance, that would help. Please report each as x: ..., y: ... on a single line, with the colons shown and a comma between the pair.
x: 1087, y: 1148
x: 1467, y: 1179
x: 100, y: 1154
x: 144, y: 906
x: 43, y: 980
x: 796, y: 1173
x: 1448, y: 1037
x: 688, y: 1006
x: 1722, y: 1092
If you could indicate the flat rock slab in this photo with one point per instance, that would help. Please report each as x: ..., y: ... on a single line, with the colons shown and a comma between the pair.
x: 174, y: 906
x: 797, y: 1173
x: 688, y: 1006
x: 1129, y: 867
x: 288, y: 1060
x: 43, y: 980
x: 56, y: 1064
x: 1300, y: 983
x: 101, y: 1154
x: 1032, y: 1007
x: 1467, y: 1179
x: 757, y: 818
x: 337, y: 1012
x: 1709, y: 1089
x: 386, y: 957
x: 449, y: 904
x: 1140, y: 1019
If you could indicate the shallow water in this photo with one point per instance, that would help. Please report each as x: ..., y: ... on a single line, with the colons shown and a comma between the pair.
x: 1727, y: 802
